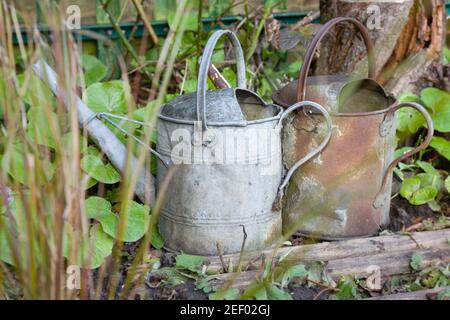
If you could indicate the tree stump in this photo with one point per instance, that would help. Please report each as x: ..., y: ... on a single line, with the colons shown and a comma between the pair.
x: 408, y: 36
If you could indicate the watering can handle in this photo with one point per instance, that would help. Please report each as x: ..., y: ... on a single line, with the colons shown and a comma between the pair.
x: 380, y: 198
x: 311, y: 154
x: 204, y: 66
x: 301, y: 85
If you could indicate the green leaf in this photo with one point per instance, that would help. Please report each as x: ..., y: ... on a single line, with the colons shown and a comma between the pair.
x: 102, y: 244
x: 446, y: 55
x: 191, y: 21
x: 409, y: 186
x: 135, y: 222
x: 5, y: 251
x: 38, y: 128
x: 189, y: 262
x: 409, y: 97
x: 261, y: 294
x: 93, y: 165
x: 294, y: 68
x: 275, y: 293
x: 16, y: 166
x: 204, y: 285
x: 432, y: 97
x: 416, y: 261
x: 190, y: 86
x: 447, y: 184
x: 422, y: 188
x: 434, y: 206
x: 292, y: 272
x: 442, y: 146
x: 409, y: 120
x: 94, y: 69
x: 157, y: 238
x: 90, y: 251
x: 97, y: 208
x: 439, y: 102
x: 427, y: 167
x: 36, y: 93
x: 347, y: 289
x: 228, y: 294
x: 424, y: 195
x: 402, y: 151
x: 17, y: 226
x: 172, y: 275
x: 106, y: 97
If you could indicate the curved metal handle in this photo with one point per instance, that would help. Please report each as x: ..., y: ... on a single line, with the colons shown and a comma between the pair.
x: 301, y: 85
x: 204, y: 66
x: 311, y: 154
x: 379, y: 199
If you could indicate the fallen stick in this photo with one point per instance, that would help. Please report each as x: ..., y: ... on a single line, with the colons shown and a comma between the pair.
x: 327, y: 251
x: 415, y: 295
x: 100, y: 134
x: 389, y: 263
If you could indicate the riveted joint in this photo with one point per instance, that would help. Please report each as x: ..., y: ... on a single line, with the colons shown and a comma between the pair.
x: 386, y: 127
x: 380, y: 200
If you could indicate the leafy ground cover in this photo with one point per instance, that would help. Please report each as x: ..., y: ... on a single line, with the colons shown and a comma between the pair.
x: 52, y: 174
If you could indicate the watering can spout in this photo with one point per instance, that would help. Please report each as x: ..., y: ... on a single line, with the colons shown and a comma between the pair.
x: 113, y: 148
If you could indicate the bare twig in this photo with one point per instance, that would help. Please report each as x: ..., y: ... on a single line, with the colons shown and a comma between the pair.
x: 219, y: 253
x: 313, y: 15
x: 147, y: 24
x: 241, y: 254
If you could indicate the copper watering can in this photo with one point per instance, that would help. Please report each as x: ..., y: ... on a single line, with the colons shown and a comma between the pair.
x: 345, y: 192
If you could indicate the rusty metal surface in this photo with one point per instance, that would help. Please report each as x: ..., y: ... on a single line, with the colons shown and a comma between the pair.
x: 345, y: 191
x: 332, y: 196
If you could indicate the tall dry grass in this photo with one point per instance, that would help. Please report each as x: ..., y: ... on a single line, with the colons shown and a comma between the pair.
x: 43, y: 222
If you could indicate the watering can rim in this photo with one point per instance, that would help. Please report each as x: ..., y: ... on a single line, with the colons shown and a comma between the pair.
x: 279, y: 101
x: 237, y: 123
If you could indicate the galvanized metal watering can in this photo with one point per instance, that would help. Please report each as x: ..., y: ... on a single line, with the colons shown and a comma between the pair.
x: 226, y: 144
x: 345, y: 192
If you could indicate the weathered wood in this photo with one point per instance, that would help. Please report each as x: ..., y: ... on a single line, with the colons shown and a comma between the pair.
x: 415, y: 295
x: 408, y: 36
x: 327, y: 251
x: 389, y: 263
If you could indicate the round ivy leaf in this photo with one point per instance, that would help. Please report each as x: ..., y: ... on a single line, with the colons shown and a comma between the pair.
x: 442, y: 146
x: 93, y: 165
x: 409, y: 120
x: 424, y: 195
x: 409, y: 186
x: 90, y: 250
x: 97, y: 207
x: 106, y: 97
x: 135, y: 221
x: 94, y: 69
x: 439, y: 102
